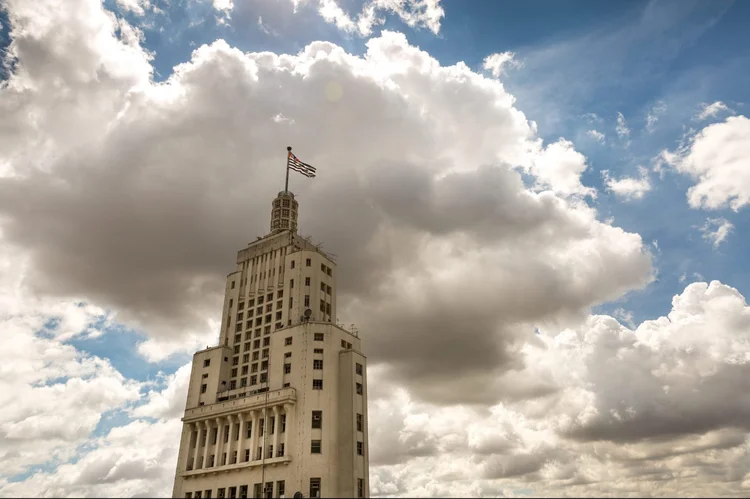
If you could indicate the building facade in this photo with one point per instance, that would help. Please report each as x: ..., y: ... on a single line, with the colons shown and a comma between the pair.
x: 279, y: 407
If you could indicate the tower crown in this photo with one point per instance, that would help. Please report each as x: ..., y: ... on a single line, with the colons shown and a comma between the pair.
x: 284, y: 213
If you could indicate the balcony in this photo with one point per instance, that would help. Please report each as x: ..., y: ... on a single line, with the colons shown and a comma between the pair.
x: 273, y: 461
x: 248, y: 402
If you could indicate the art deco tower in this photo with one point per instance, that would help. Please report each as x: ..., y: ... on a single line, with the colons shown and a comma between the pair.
x: 279, y: 407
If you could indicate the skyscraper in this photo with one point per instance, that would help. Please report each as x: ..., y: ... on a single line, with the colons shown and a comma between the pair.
x: 279, y: 407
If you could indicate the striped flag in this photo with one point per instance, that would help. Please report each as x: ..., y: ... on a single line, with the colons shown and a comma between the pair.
x: 298, y: 166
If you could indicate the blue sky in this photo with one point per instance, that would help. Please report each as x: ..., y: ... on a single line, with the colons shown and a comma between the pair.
x: 622, y: 80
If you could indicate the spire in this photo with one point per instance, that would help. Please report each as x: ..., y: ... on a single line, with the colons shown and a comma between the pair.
x: 284, y: 213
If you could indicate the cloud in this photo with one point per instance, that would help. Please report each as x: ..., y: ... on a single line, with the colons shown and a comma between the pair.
x: 137, y: 7
x: 414, y: 13
x: 496, y: 63
x: 622, y: 128
x: 716, y: 160
x: 653, y: 115
x: 711, y: 110
x: 628, y: 187
x: 142, y: 175
x: 716, y: 230
x: 596, y: 135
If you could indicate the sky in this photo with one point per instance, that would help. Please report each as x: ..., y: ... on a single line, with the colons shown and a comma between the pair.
x: 538, y: 209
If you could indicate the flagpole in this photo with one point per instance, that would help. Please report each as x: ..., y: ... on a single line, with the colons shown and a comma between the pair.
x: 286, y: 185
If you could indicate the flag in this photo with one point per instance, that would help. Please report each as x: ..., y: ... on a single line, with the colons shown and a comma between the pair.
x: 298, y: 166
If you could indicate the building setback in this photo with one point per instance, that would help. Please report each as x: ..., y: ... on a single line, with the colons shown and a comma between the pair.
x: 279, y: 407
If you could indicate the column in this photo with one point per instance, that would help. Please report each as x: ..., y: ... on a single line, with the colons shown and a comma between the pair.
x: 290, y: 429
x: 205, y: 447
x: 276, y: 430
x: 241, y: 433
x: 192, y: 452
x: 256, y: 427
x: 187, y: 436
x: 219, y: 445
x: 230, y: 439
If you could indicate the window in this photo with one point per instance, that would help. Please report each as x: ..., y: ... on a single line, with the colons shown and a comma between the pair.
x: 278, y: 315
x: 263, y: 377
x: 249, y: 429
x: 259, y: 310
x: 261, y: 426
x: 287, y: 341
x: 358, y: 369
x: 287, y: 368
x: 253, y: 380
x: 307, y: 281
x: 241, y: 305
x: 317, y: 419
x: 287, y: 355
x: 220, y: 493
x: 359, y: 422
x: 318, y: 364
x: 287, y: 385
x: 266, y: 330
x: 291, y: 264
x: 282, y: 422
x: 258, y: 321
x: 328, y: 271
x: 240, y: 316
x: 266, y: 341
x: 258, y: 490
x: 307, y: 300
x: 291, y: 302
x: 360, y: 487
x: 318, y: 384
x: 343, y: 344
x: 243, y: 491
x: 280, y: 451
x: 256, y: 355
x: 237, y: 338
x: 231, y: 302
x: 280, y: 489
x: 206, y: 362
x: 234, y: 372
x: 278, y: 325
x: 269, y: 297
x: 279, y: 303
x: 247, y: 347
x: 238, y: 327
x: 197, y: 494
x: 317, y: 350
x: 232, y: 288
x: 254, y: 368
x: 328, y: 308
x: 291, y: 283
x: 268, y: 318
x: 232, y: 384
x: 207, y: 494
x: 308, y: 262
x: 244, y: 370
x: 204, y: 376
x: 315, y: 487
x: 318, y: 337
x: 188, y: 495
x: 322, y: 306
x: 269, y: 454
x: 322, y: 267
x: 269, y: 307
x: 243, y: 382
x: 203, y: 388
x: 360, y: 449
x: 323, y: 287
x: 359, y: 388
x: 236, y: 349
x: 256, y: 344
x: 328, y: 289
x: 265, y: 353
x: 269, y: 490
x: 246, y: 358
x: 260, y: 300
x: 264, y: 365
x: 315, y: 447
x: 247, y: 455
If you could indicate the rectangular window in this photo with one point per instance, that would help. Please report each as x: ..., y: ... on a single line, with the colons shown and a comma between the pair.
x: 315, y: 487
x: 204, y: 376
x: 287, y: 368
x: 269, y: 454
x: 287, y: 385
x: 359, y: 422
x: 207, y: 494
x: 246, y: 358
x: 240, y: 316
x: 243, y: 491
x: 251, y: 302
x: 259, y: 454
x: 360, y: 449
x: 360, y: 487
x: 279, y: 294
x: 236, y: 349
x: 322, y: 306
x: 253, y: 380
x: 265, y: 353
x: 237, y: 338
x: 308, y: 262
x: 263, y: 377
x: 291, y: 302
x: 317, y: 350
x: 318, y: 364
x: 279, y: 303
x: 256, y: 344
x: 287, y: 341
x: 280, y: 489
x: 328, y: 289
x: 256, y: 355
x: 261, y: 426
x: 203, y: 388
x: 258, y: 490
x: 249, y: 429
x: 291, y: 264
x: 264, y: 365
x: 307, y: 281
x: 234, y: 373
x: 318, y: 337
x: 358, y: 369
x: 188, y: 495
x: 317, y: 419
x: 359, y: 388
x: 268, y: 318
x: 322, y: 267
x: 307, y: 300
x: 269, y: 297
x: 266, y: 330
x: 238, y: 327
x: 287, y: 355
x: 220, y: 493
x: 283, y: 423
x: 206, y: 362
x: 243, y: 381
x: 247, y: 455
x: 235, y: 361
x: 323, y: 287
x: 241, y: 305
x: 317, y: 384
x: 328, y: 271
x: 328, y: 309
x: 198, y: 494
x: 231, y: 302
x: 254, y: 368
x: 232, y: 384
x: 315, y: 447
x: 247, y: 347
x: 291, y: 283
x: 266, y: 342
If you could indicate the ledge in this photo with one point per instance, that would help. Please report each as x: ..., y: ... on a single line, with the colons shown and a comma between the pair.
x: 274, y: 461
x: 243, y: 404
